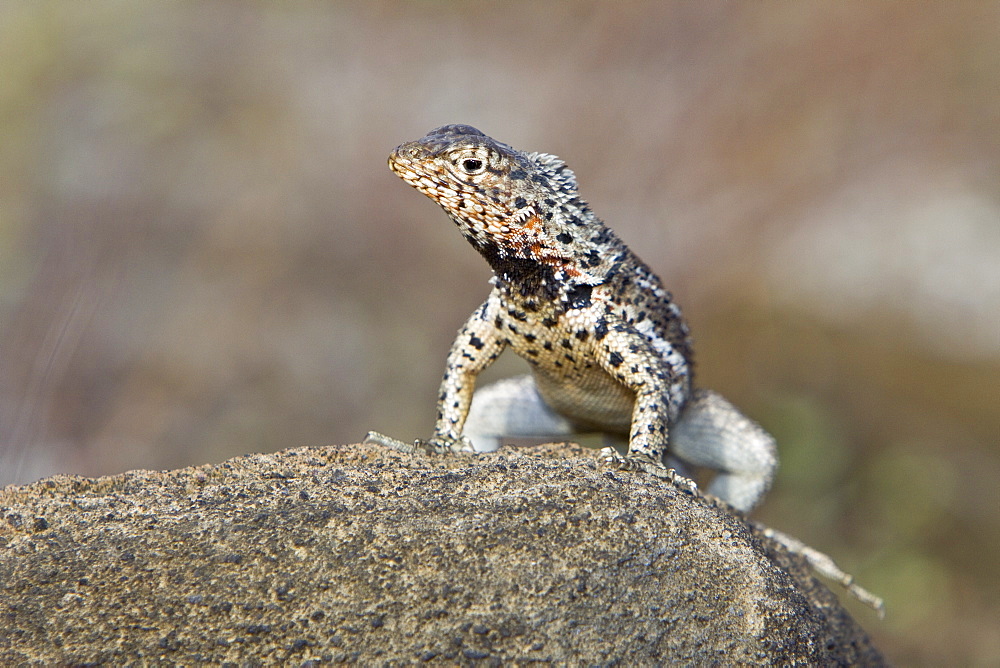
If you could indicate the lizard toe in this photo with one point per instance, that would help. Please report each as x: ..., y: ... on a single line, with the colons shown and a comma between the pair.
x: 375, y: 438
x: 612, y: 457
x: 439, y: 445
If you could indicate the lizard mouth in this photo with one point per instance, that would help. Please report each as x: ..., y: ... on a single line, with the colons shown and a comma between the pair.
x: 478, y: 217
x: 404, y: 167
x: 401, y: 167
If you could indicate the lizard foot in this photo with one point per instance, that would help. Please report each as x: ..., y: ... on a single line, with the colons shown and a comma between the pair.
x: 436, y: 446
x: 375, y: 438
x: 440, y: 446
x: 612, y: 457
x: 823, y: 564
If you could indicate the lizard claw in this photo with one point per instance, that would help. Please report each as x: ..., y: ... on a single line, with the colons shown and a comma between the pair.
x: 612, y: 457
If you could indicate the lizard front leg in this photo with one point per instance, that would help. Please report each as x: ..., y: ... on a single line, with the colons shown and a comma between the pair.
x: 476, y: 346
x: 660, y: 379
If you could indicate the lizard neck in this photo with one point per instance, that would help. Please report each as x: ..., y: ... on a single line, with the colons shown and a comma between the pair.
x: 521, y: 278
x: 515, y: 270
x: 536, y: 287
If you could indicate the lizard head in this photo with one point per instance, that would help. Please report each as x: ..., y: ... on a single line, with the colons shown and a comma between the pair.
x: 520, y: 210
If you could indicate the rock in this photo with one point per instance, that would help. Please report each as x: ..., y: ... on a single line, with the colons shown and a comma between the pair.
x: 357, y: 553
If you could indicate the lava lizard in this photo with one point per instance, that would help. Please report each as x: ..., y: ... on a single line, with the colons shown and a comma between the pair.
x: 608, y: 348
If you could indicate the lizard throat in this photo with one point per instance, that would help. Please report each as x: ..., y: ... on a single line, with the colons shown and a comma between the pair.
x: 524, y: 276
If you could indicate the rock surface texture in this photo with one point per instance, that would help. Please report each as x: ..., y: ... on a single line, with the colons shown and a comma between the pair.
x: 354, y: 553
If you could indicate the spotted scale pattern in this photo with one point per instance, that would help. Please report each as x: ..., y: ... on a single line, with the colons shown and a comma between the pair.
x: 608, y: 347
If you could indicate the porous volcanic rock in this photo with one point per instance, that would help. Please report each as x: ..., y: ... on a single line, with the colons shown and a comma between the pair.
x: 357, y: 553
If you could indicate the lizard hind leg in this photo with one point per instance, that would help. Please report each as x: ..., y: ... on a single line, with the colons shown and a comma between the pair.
x: 713, y: 433
x: 511, y: 408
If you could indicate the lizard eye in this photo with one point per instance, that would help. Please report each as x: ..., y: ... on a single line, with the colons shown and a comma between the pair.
x: 472, y: 165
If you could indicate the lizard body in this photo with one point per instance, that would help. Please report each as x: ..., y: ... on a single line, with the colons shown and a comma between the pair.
x: 608, y: 347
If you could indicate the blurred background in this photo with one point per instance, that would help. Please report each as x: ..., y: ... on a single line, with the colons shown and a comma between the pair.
x: 203, y: 253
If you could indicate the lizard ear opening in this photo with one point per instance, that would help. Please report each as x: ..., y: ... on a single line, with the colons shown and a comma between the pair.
x: 557, y: 169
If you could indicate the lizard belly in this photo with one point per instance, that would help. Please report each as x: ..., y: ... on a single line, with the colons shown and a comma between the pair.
x: 568, y: 379
x: 590, y: 398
